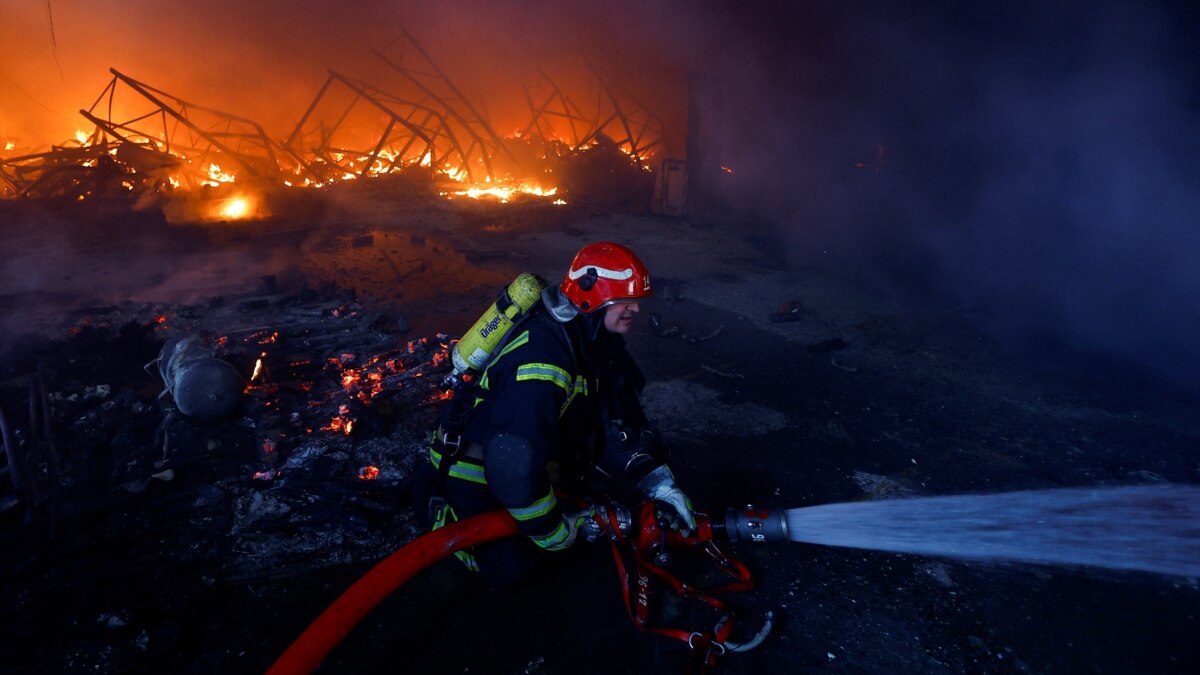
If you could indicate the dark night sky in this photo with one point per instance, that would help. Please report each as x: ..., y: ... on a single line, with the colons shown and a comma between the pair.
x: 1040, y: 159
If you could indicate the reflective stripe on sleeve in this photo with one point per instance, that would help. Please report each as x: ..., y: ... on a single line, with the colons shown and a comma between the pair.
x: 545, y: 371
x: 539, y: 508
x: 555, y: 540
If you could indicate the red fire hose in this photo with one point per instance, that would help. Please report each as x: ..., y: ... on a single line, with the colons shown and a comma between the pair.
x: 315, y: 643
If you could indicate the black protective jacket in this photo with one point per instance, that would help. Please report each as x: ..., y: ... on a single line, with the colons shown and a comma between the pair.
x: 561, y: 397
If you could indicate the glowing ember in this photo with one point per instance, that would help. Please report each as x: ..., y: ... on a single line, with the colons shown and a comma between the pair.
x: 559, y: 202
x: 341, y: 425
x: 10, y: 146
x: 368, y: 472
x: 258, y: 367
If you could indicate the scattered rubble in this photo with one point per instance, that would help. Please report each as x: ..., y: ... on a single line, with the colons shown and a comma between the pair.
x: 327, y: 425
x: 881, y: 487
x: 684, y: 409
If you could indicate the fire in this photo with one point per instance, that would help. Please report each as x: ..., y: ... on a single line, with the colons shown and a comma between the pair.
x: 258, y: 367
x: 368, y: 472
x: 10, y: 146
x: 81, y: 136
x: 505, y: 192
x: 235, y: 208
x: 216, y: 176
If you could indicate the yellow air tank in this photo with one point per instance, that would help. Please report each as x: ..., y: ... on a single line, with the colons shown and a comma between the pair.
x: 476, y: 346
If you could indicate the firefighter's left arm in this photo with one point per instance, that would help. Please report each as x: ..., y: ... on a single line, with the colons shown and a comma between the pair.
x: 525, y: 419
x: 518, y: 480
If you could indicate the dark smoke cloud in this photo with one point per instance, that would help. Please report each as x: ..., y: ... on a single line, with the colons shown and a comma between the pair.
x: 265, y: 60
x: 1036, y: 162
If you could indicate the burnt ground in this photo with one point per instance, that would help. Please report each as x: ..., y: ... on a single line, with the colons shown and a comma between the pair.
x: 861, y: 396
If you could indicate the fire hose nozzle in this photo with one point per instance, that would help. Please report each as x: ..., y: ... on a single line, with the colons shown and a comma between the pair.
x: 757, y: 525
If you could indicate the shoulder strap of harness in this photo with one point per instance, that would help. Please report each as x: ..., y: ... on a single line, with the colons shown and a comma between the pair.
x: 453, y: 420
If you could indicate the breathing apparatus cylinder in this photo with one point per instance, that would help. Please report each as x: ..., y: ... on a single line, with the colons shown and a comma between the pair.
x: 476, y: 346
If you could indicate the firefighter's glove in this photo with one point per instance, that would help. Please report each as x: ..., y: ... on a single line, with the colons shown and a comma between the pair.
x: 660, y: 486
x: 574, y: 523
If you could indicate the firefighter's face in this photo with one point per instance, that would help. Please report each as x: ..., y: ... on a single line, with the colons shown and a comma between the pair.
x: 618, y: 318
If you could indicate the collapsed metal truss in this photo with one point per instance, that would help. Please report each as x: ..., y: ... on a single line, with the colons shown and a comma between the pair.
x: 418, y: 70
x: 625, y: 121
x: 552, y: 112
x: 338, y: 136
x: 140, y: 115
x: 146, y: 138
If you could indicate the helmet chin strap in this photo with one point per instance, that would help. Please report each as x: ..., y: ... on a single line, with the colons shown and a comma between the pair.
x: 593, y: 323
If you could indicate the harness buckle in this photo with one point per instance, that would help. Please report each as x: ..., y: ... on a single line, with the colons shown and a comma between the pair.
x: 437, y: 505
x: 451, y: 447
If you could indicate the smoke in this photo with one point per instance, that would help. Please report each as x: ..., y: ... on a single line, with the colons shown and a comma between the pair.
x: 1035, y: 161
x: 266, y: 60
x: 1030, y: 161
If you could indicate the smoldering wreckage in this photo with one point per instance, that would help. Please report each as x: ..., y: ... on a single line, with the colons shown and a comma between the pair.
x: 266, y: 437
x: 283, y: 435
x: 286, y: 424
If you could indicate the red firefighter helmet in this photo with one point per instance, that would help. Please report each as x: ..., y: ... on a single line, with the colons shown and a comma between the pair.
x: 603, y: 273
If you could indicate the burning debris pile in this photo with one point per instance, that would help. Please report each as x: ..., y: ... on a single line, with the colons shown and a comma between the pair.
x: 150, y: 146
x: 279, y: 439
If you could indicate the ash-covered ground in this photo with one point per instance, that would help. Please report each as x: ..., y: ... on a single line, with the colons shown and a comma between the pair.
x: 848, y: 394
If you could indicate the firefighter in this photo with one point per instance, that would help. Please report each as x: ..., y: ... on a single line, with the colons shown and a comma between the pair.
x: 557, y: 407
